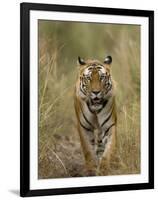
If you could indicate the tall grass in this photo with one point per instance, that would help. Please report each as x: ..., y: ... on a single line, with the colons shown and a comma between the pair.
x: 60, y: 153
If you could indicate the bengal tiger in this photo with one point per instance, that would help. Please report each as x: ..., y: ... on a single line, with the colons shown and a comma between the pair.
x: 95, y: 108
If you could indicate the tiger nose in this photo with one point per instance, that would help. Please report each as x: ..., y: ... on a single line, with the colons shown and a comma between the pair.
x: 96, y: 92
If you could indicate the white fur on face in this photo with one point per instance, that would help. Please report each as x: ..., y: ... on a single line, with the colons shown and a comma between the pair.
x: 102, y: 69
x: 88, y: 70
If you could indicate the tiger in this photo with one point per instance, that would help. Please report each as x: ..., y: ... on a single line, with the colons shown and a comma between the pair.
x: 95, y: 108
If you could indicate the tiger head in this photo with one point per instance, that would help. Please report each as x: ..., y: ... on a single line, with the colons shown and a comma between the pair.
x: 95, y: 81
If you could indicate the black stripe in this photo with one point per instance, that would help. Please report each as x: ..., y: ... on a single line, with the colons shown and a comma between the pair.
x: 82, y: 91
x: 87, y: 129
x: 108, y: 116
x: 110, y: 87
x: 108, y: 130
x: 89, y: 108
x: 104, y: 104
x: 86, y: 118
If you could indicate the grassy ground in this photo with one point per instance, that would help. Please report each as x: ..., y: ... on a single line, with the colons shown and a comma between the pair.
x: 60, y: 153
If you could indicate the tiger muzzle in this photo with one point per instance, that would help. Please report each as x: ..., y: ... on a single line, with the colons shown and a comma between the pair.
x: 96, y: 98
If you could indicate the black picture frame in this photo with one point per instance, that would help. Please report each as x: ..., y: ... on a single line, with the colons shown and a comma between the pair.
x: 25, y: 9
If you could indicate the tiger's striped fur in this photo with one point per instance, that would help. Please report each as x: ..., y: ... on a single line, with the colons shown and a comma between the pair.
x: 96, y: 113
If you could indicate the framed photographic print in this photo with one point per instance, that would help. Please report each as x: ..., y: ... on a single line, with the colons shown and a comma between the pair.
x: 87, y: 99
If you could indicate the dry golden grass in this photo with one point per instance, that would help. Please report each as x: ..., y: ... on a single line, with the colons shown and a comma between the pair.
x: 60, y: 153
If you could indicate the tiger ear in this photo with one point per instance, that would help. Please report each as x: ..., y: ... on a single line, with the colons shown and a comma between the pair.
x: 81, y: 61
x: 108, y: 60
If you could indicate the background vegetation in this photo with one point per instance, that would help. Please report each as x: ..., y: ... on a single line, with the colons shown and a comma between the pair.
x: 60, y: 43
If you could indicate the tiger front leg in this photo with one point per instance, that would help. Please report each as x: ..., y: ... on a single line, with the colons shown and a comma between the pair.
x: 88, y: 142
x: 106, y: 151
